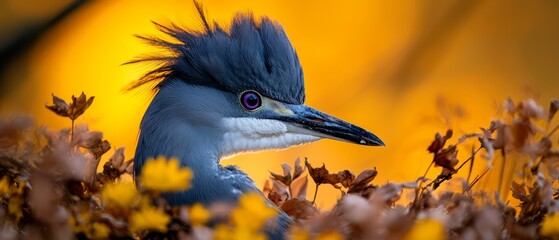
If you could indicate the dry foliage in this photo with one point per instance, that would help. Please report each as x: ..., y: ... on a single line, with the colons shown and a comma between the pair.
x: 50, y: 188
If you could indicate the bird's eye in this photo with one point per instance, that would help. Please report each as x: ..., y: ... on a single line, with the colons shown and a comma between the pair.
x: 251, y: 100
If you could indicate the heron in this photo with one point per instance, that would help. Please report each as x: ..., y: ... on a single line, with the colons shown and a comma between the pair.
x: 223, y: 91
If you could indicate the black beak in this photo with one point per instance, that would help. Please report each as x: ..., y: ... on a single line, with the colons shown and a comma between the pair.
x: 307, y: 120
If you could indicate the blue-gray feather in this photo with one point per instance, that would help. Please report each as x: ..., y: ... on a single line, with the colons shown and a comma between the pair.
x: 251, y: 55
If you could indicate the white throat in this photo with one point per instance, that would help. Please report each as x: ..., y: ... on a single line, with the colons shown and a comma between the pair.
x: 252, y: 134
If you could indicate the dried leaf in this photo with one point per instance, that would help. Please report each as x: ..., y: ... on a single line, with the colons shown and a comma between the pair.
x: 59, y: 107
x: 356, y: 209
x: 439, y: 141
x: 280, y: 189
x: 333, y: 179
x: 509, y: 106
x: 487, y: 144
x: 73, y: 110
x: 504, y: 135
x: 116, y: 166
x: 275, y: 198
x: 267, y: 189
x: 523, y: 130
x: 299, y: 208
x: 530, y: 109
x: 299, y: 188
x: 388, y: 193
x: 361, y: 183
x: 117, y: 158
x: 285, y: 179
x: 346, y: 178
x: 101, y: 148
x: 447, y: 158
x: 519, y: 191
x: 319, y: 175
x: 365, y: 177
x: 130, y: 166
x: 298, y: 169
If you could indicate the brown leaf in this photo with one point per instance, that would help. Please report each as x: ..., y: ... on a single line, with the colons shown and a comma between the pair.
x: 298, y: 169
x: 346, y: 178
x: 299, y: 208
x: 504, y: 135
x: 522, y: 131
x: 280, y: 189
x: 73, y: 110
x: 361, y: 183
x: 101, y: 148
x: 519, y: 191
x: 487, y: 144
x: 285, y: 179
x: 365, y: 177
x: 318, y: 175
x: 90, y: 139
x: 530, y: 109
x: 275, y: 198
x: 388, y: 193
x: 333, y: 179
x: 509, y: 106
x: 117, y: 159
x: 267, y: 189
x: 447, y: 158
x: 439, y: 141
x: 79, y: 105
x: 116, y: 166
x: 59, y: 107
x: 299, y: 188
x: 130, y: 166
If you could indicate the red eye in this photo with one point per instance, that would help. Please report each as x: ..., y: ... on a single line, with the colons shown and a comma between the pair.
x: 251, y: 100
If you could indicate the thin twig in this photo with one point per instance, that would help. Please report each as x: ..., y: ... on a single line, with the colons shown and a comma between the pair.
x: 475, y: 180
x: 470, y: 158
x: 553, y: 131
x: 417, y: 190
x: 315, y: 193
x: 290, y: 191
x: 502, y: 173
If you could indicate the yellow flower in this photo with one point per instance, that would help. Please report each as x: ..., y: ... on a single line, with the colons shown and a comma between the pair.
x: 550, y: 225
x: 252, y: 212
x: 247, y: 219
x: 330, y: 235
x: 223, y: 232
x: 121, y: 194
x: 14, y: 208
x: 198, y: 214
x: 300, y: 234
x: 98, y: 231
x: 426, y: 229
x: 149, y: 218
x: 164, y: 175
x: 5, y: 186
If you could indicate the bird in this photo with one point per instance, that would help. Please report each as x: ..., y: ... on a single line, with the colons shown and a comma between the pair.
x: 223, y: 91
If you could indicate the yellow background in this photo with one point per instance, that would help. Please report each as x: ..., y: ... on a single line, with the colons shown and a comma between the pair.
x: 401, y: 69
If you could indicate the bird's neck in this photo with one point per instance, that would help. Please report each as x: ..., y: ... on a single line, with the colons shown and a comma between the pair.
x: 164, y: 133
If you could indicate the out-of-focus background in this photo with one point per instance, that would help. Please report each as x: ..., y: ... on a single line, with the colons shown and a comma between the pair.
x: 402, y: 69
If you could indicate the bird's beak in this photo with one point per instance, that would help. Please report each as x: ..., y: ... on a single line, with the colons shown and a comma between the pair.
x: 306, y: 120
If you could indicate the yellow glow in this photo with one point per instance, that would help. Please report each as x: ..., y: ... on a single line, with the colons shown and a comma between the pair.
x: 379, y: 64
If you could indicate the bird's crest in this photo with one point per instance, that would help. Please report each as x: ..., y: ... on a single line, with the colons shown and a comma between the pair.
x: 250, y: 55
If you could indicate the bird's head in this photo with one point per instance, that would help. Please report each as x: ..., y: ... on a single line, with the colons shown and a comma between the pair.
x: 246, y: 84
